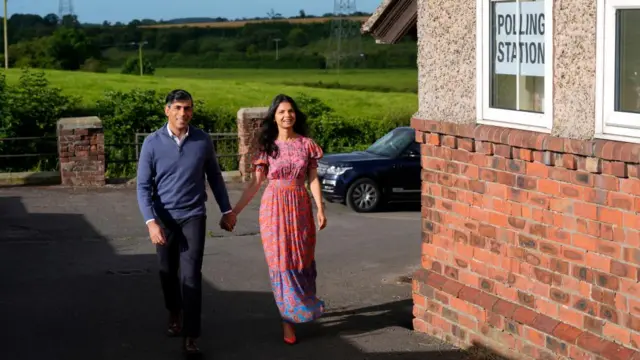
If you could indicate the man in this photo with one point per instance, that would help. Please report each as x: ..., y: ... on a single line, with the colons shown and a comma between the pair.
x: 171, y: 195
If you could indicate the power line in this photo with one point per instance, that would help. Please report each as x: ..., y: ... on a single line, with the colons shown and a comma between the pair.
x: 65, y: 7
x: 345, y: 42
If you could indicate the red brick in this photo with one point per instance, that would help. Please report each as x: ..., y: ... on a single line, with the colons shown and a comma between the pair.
x: 484, y: 147
x: 436, y: 281
x: 613, y: 351
x: 502, y: 151
x: 452, y: 287
x: 615, y: 168
x: 466, y: 144
x: 524, y: 316
x: 591, y: 343
x: 567, y: 333
x: 545, y: 324
x: 621, y: 201
x: 522, y: 154
x: 504, y: 308
x: 433, y: 139
x: 556, y: 346
x: 569, y: 161
x: 449, y: 141
x: 537, y: 169
x: 544, y: 157
x: 624, y: 270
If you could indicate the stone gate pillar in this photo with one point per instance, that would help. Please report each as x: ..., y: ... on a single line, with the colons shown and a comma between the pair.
x: 249, y: 122
x: 81, y: 151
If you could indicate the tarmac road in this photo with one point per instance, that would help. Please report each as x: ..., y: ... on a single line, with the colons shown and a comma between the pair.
x: 79, y: 281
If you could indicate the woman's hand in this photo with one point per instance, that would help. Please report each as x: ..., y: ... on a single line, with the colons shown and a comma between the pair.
x: 322, y: 220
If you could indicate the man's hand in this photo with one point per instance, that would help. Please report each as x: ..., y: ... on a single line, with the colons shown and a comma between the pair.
x: 228, y: 221
x: 156, y: 234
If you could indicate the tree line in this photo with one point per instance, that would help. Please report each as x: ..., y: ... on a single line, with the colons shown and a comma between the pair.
x: 67, y: 44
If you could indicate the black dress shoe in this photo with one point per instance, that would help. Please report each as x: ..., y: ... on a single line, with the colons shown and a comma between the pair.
x: 190, y: 347
x: 174, y: 328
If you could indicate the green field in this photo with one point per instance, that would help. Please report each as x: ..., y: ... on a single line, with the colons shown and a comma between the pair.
x: 235, y: 89
x: 401, y: 80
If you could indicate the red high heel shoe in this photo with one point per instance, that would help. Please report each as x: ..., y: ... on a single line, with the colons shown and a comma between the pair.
x: 291, y: 340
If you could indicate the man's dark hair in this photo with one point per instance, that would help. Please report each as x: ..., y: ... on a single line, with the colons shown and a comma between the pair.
x: 178, y: 95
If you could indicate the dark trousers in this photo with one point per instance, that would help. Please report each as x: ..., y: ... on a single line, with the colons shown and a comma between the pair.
x: 181, y: 269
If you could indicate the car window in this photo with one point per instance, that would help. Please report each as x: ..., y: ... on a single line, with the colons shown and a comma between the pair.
x: 392, y: 143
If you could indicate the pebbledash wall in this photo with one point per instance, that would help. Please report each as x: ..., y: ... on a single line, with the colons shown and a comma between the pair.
x: 531, y: 224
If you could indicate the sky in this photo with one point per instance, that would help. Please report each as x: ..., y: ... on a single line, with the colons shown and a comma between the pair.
x: 97, y: 11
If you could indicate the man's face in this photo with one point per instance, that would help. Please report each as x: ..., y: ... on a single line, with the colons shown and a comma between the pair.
x: 179, y: 114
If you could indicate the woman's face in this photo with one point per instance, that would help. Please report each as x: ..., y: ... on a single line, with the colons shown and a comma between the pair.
x: 285, y: 116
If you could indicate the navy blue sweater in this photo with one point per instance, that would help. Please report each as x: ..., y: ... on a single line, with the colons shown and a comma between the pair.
x: 171, y: 177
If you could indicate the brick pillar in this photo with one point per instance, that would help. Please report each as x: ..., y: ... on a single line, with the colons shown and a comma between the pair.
x: 81, y: 150
x: 249, y: 122
x: 531, y: 243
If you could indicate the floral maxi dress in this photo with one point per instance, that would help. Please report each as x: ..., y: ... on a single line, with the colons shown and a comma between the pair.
x: 287, y: 228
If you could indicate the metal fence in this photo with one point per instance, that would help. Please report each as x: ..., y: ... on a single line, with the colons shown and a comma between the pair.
x: 29, y: 153
x: 41, y: 154
x: 122, y: 158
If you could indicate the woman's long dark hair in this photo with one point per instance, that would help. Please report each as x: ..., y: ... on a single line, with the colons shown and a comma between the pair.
x: 269, y: 130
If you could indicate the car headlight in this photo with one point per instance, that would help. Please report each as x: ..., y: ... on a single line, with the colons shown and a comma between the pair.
x: 337, y: 170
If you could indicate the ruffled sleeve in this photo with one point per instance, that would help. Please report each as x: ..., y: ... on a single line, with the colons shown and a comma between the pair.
x: 315, y: 153
x: 260, y: 162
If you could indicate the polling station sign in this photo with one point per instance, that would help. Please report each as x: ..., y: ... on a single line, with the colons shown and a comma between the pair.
x: 519, y: 38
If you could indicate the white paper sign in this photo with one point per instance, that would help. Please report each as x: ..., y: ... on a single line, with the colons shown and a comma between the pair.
x: 519, y: 38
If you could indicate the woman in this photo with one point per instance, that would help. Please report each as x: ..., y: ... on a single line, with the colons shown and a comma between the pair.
x: 286, y: 158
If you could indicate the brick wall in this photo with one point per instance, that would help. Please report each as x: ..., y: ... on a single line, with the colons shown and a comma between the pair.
x: 81, y: 151
x: 249, y: 122
x: 531, y: 243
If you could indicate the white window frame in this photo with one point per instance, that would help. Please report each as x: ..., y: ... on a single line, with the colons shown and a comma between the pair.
x: 611, y: 124
x: 541, y: 122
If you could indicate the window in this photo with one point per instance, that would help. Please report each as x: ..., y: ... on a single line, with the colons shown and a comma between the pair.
x: 618, y: 70
x: 515, y: 68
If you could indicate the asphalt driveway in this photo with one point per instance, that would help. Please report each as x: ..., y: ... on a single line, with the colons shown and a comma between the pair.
x: 79, y: 282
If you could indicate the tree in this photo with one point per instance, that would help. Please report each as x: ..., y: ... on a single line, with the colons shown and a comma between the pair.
x: 298, y: 38
x: 70, y: 21
x: 51, y: 19
x: 132, y: 66
x: 33, y: 53
x: 274, y: 15
x: 71, y: 47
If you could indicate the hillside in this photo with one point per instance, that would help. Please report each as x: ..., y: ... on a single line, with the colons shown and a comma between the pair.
x: 303, y: 42
x: 201, y: 23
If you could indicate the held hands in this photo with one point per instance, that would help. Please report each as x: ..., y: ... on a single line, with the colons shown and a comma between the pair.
x: 228, y: 221
x: 156, y: 234
x: 322, y: 220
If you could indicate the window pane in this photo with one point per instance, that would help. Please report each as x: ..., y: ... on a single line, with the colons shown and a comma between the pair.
x: 628, y: 60
x: 517, y: 58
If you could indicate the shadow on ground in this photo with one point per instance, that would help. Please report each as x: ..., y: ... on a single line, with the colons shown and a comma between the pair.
x: 402, y: 207
x: 67, y: 294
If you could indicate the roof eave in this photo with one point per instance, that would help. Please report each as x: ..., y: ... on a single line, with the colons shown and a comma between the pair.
x: 391, y: 20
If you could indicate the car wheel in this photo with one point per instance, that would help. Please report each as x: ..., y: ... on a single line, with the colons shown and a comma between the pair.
x: 363, y: 196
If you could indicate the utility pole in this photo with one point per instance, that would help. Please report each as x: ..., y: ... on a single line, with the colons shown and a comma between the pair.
x: 6, y: 38
x: 277, y: 41
x: 140, y: 45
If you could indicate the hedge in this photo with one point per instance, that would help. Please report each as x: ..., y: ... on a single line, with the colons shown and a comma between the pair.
x: 32, y: 107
